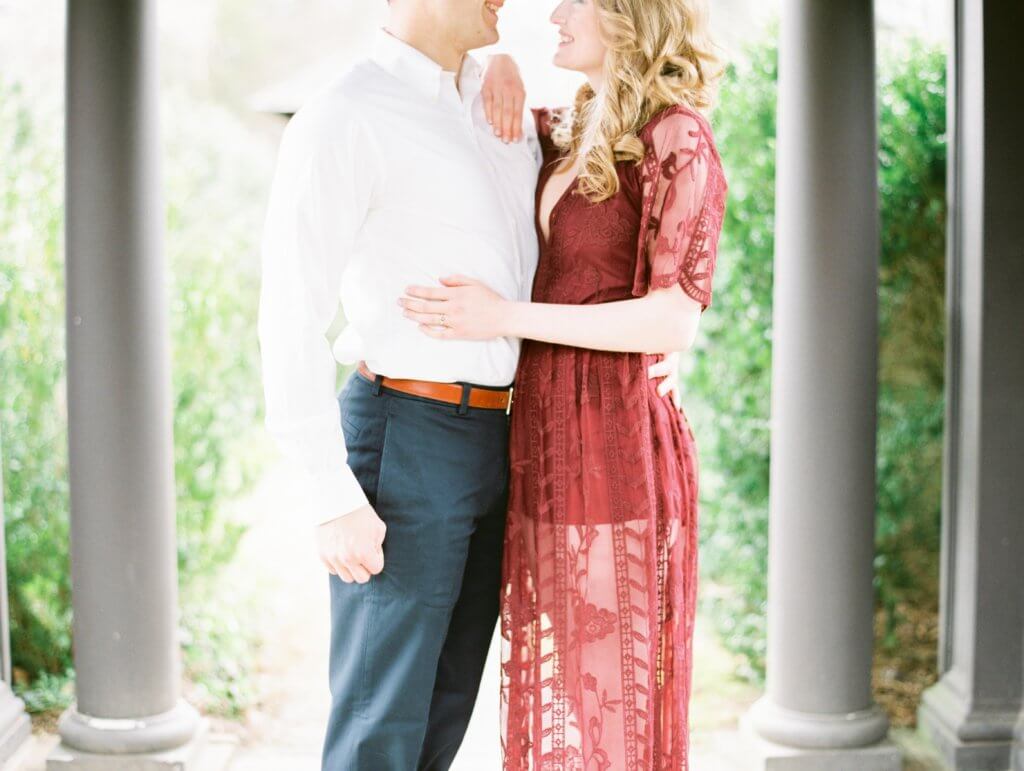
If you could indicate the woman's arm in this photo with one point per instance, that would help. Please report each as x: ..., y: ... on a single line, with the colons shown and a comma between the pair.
x: 663, y: 320
x: 504, y: 95
x: 464, y: 308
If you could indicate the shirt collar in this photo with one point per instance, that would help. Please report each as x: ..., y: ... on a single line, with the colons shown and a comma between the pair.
x: 414, y: 67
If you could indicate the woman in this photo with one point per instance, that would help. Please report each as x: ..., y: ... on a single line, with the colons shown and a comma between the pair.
x: 600, y: 547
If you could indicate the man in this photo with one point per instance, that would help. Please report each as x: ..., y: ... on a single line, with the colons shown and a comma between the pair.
x: 392, y: 177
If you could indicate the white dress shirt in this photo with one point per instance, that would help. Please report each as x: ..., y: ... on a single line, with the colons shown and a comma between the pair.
x: 387, y: 178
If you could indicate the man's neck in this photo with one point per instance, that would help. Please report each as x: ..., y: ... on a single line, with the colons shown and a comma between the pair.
x: 420, y: 33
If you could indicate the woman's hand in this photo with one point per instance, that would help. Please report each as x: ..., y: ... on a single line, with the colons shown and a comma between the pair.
x: 504, y: 96
x: 668, y: 370
x: 462, y: 309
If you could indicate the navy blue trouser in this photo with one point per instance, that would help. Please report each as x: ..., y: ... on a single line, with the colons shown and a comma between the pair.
x: 408, y: 647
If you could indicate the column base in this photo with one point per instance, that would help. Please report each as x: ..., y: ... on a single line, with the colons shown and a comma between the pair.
x: 807, y: 730
x: 1018, y: 746
x: 15, y: 725
x: 967, y: 740
x: 186, y: 757
x: 112, y: 736
x: 766, y: 755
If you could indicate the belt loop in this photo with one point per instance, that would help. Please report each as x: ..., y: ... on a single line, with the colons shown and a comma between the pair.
x: 377, y: 384
x: 464, y: 404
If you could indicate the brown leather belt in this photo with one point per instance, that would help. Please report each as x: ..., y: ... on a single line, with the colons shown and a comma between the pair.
x: 486, y: 398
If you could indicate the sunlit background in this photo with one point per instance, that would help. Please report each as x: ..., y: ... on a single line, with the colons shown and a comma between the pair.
x: 254, y: 597
x: 273, y: 53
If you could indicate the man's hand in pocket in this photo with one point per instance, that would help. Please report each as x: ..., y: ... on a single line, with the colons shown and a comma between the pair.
x: 351, y: 546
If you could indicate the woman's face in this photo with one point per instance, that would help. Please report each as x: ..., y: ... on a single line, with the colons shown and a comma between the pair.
x: 581, y: 48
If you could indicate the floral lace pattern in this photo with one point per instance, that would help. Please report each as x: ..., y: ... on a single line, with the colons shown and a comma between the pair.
x: 600, y: 563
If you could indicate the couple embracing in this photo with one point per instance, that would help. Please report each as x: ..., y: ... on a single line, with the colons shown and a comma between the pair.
x: 510, y: 446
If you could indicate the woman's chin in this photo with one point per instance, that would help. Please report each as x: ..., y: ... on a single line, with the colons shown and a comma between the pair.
x: 561, y: 60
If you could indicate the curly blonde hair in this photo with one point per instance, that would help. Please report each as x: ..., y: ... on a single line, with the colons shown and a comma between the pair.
x: 659, y: 54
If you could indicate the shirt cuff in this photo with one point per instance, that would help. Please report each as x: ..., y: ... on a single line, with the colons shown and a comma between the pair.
x: 333, y: 494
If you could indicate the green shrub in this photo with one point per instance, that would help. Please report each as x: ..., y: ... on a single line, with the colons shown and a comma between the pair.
x: 912, y: 182
x: 215, y: 176
x: 731, y: 374
x: 33, y: 421
x: 731, y: 367
x: 214, y: 212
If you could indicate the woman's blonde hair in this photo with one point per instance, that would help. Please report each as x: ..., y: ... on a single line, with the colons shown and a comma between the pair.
x: 659, y: 54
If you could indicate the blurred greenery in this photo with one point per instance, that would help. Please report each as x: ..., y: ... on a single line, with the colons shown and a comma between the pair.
x: 731, y: 368
x: 730, y: 374
x: 215, y: 179
x: 33, y: 418
x: 911, y: 405
x: 216, y: 175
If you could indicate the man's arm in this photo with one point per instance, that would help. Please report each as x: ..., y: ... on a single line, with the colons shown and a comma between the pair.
x: 319, y: 197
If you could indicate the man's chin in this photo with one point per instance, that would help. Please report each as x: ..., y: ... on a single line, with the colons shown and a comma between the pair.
x: 486, y: 38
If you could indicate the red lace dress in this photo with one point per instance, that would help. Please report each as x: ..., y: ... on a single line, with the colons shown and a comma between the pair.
x: 600, y: 561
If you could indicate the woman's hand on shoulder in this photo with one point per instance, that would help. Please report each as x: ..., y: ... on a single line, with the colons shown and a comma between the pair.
x: 504, y: 96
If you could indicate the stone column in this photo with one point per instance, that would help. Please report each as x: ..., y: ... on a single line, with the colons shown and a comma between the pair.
x: 15, y: 726
x: 818, y: 712
x: 1018, y: 747
x: 128, y: 712
x: 971, y: 713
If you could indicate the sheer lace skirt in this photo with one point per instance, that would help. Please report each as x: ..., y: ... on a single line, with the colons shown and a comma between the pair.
x: 599, y: 570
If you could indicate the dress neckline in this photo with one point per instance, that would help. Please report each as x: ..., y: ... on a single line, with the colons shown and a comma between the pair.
x: 542, y: 184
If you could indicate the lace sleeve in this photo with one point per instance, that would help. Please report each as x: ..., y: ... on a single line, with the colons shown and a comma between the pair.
x: 683, y: 206
x: 543, y: 118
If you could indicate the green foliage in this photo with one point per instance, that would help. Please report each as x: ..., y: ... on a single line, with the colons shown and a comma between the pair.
x: 732, y: 365
x: 32, y: 407
x: 50, y: 692
x: 219, y: 643
x: 213, y: 218
x: 731, y: 376
x: 215, y: 176
x: 912, y: 184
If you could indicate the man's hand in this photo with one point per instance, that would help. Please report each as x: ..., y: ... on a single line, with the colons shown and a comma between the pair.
x: 504, y: 96
x: 351, y: 545
x: 668, y: 369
